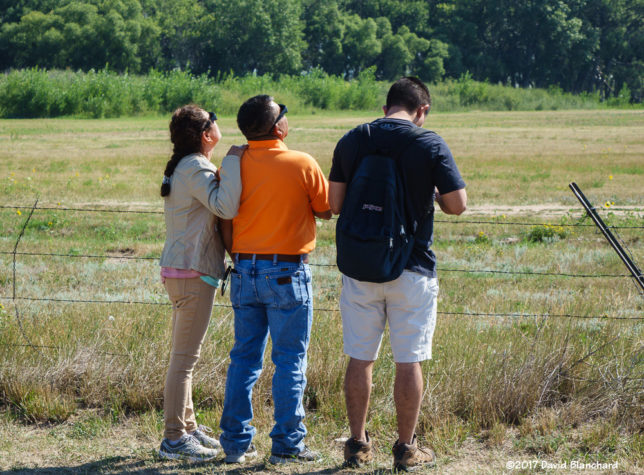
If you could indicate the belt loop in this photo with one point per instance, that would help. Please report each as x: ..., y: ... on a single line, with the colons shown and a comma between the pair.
x: 274, y: 259
x: 236, y: 259
x: 253, y: 269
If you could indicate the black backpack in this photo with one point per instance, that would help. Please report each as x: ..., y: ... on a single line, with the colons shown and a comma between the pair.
x: 374, y: 235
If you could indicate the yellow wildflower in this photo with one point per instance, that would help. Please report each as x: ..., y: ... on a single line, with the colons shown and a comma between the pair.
x: 19, y: 212
x: 610, y: 177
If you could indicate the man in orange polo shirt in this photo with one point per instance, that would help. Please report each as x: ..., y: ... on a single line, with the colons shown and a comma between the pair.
x: 282, y: 193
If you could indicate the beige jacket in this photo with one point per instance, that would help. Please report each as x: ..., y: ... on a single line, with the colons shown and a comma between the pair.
x: 195, y: 201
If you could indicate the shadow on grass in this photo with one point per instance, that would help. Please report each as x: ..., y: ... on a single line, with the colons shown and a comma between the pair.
x: 135, y: 465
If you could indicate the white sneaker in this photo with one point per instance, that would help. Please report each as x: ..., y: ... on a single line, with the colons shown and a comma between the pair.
x: 304, y: 456
x: 250, y: 453
x: 188, y: 448
x: 209, y: 442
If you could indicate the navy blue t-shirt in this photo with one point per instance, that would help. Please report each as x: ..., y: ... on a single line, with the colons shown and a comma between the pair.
x: 426, y: 163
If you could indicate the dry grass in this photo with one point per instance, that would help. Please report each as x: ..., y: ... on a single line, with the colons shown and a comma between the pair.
x: 506, y: 158
x: 559, y: 388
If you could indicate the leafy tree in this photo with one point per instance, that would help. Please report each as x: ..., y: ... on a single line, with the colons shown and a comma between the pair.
x: 577, y: 45
x: 324, y: 30
x: 360, y: 44
x: 82, y: 35
x: 520, y: 41
x: 413, y: 14
x: 618, y: 60
x: 262, y: 36
x: 185, y: 33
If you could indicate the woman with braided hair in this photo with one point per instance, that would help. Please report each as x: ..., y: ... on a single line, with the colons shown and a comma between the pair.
x: 196, y: 195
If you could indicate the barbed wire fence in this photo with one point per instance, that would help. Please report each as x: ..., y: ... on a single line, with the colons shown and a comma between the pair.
x: 15, y: 296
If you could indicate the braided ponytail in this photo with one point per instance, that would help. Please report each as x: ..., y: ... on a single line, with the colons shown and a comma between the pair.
x: 186, y: 126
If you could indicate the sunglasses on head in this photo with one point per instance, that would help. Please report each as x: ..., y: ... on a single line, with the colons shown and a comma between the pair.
x: 212, y: 117
x: 283, y: 110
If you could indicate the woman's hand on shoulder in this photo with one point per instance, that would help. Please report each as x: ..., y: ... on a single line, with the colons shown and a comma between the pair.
x: 237, y: 150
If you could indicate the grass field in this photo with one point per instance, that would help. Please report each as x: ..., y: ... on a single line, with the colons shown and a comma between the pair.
x: 81, y: 383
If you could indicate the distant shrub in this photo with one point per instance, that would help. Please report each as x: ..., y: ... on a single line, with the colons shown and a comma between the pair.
x: 546, y: 233
x: 40, y: 93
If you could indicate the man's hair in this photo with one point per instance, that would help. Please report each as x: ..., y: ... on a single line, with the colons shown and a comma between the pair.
x: 408, y: 92
x: 255, y: 116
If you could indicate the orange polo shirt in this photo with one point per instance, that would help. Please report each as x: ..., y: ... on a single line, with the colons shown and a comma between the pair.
x: 280, y: 190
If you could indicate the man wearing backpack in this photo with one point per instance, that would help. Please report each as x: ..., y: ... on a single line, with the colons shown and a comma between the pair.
x: 384, y: 180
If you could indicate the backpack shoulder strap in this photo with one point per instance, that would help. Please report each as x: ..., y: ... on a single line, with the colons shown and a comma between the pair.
x: 409, y: 136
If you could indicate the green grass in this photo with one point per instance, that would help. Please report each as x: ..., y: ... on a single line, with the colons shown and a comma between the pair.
x: 505, y: 387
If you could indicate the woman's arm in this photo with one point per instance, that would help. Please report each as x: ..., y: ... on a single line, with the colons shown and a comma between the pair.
x: 221, y: 196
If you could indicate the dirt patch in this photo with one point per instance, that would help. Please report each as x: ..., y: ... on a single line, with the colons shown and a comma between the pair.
x: 542, y: 210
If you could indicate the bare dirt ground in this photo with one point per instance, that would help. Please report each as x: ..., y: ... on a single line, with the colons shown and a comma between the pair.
x: 542, y: 210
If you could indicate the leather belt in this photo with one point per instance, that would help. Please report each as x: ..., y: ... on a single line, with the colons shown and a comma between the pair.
x: 280, y: 257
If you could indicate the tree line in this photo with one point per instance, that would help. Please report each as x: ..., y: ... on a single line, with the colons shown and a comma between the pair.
x: 575, y: 45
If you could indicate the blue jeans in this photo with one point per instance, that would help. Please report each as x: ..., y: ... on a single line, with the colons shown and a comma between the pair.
x: 275, y: 297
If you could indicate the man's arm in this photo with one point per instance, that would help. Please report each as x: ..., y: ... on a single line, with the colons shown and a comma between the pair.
x: 322, y: 214
x: 337, y: 191
x: 318, y: 190
x: 226, y: 229
x: 453, y: 202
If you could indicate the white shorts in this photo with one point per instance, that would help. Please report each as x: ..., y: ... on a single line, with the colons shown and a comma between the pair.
x: 407, y: 303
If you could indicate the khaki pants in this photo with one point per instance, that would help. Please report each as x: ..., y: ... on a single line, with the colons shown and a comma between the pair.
x: 191, y: 307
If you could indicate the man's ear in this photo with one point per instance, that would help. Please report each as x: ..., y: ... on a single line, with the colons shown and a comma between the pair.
x: 278, y: 132
x: 422, y: 110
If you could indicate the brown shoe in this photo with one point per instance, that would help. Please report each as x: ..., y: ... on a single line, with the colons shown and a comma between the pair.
x: 410, y: 457
x: 357, y: 453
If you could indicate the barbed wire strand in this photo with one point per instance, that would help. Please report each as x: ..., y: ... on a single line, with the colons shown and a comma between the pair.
x: 52, y: 347
x: 473, y: 314
x: 90, y: 210
x: 514, y: 223
x: 90, y: 256
x: 621, y: 240
x: 441, y: 269
x: 500, y: 223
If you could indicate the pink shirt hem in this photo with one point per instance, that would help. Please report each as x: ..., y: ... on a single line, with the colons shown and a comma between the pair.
x: 172, y: 273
